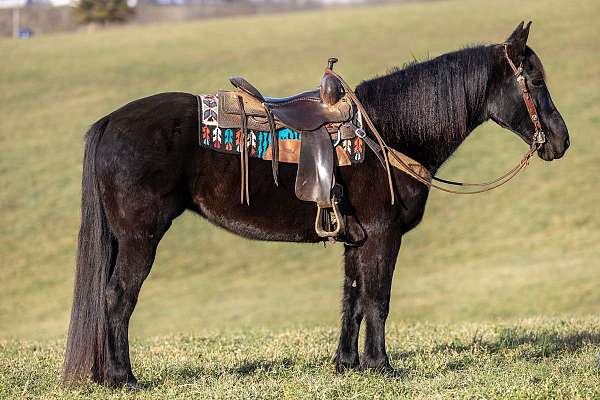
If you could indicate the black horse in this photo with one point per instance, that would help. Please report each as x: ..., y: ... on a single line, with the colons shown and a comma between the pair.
x: 143, y: 167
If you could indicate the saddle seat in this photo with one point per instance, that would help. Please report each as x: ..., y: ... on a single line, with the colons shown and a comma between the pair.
x: 305, y: 111
x: 250, y: 89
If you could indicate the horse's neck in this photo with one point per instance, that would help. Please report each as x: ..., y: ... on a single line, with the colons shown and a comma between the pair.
x: 444, y: 135
x: 428, y: 123
x: 435, y: 150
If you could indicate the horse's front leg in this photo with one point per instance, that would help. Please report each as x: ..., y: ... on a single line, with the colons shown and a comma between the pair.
x: 376, y: 260
x: 367, y: 286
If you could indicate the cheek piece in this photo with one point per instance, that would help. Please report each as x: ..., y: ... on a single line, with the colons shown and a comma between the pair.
x: 539, y: 137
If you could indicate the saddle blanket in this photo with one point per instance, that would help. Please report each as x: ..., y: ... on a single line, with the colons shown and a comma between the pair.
x: 349, y: 151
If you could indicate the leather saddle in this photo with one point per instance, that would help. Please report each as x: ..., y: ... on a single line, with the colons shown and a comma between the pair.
x: 305, y: 112
x: 314, y: 114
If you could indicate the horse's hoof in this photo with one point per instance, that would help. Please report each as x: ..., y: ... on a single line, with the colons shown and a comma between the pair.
x: 132, y: 386
x: 343, y: 364
x: 128, y: 383
x: 379, y: 366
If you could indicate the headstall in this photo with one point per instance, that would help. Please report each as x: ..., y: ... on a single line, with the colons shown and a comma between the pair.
x: 539, y: 137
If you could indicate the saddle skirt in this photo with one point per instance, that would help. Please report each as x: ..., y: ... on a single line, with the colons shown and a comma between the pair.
x: 220, y: 131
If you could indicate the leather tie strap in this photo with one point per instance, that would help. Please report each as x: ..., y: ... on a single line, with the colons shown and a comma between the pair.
x: 274, y: 144
x: 243, y: 154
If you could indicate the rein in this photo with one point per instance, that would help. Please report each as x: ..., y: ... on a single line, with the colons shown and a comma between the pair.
x: 538, y: 139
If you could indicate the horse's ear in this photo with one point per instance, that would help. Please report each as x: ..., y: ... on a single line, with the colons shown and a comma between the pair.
x: 518, y: 40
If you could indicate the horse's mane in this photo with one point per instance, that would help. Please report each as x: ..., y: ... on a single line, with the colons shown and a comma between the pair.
x: 431, y: 103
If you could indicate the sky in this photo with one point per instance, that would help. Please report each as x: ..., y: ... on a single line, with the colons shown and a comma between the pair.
x: 21, y: 3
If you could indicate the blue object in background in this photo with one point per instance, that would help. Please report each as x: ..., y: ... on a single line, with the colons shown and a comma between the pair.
x: 25, y: 33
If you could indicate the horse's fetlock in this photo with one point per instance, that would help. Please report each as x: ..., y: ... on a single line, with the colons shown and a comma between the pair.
x: 345, y: 362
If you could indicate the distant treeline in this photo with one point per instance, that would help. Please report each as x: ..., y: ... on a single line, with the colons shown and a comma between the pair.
x: 45, y: 19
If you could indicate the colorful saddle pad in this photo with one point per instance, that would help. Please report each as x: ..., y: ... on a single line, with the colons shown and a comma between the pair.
x: 349, y: 151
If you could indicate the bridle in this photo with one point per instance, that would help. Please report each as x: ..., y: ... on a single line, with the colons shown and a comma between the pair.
x: 539, y: 138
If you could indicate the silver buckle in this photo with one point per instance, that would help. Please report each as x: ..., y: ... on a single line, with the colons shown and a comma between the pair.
x: 360, y: 132
x: 539, y: 137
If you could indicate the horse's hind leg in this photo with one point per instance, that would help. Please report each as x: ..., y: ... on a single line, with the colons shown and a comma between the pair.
x: 133, y: 264
x: 143, y: 221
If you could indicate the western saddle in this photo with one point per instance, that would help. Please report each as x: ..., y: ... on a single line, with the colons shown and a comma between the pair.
x: 324, y: 117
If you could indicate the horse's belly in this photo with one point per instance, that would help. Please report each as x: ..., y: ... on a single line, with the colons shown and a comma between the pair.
x: 274, y: 212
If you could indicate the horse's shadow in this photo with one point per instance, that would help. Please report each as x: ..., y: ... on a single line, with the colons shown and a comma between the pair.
x: 531, y: 346
x: 252, y: 367
x: 192, y: 373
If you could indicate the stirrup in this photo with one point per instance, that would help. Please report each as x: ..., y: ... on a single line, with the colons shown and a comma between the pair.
x: 337, y: 215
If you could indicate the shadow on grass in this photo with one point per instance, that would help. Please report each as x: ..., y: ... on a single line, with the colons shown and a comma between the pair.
x: 190, y: 373
x: 529, y: 345
x: 526, y: 345
x: 252, y: 367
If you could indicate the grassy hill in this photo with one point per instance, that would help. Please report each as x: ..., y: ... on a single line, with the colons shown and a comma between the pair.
x: 528, y: 249
x: 535, y: 358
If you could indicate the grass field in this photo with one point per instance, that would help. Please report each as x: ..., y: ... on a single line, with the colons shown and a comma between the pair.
x: 530, y: 359
x: 528, y: 250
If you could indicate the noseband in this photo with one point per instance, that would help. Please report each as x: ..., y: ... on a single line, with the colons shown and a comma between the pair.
x: 538, y: 139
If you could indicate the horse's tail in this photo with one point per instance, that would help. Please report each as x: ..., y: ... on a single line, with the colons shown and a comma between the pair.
x: 85, y: 353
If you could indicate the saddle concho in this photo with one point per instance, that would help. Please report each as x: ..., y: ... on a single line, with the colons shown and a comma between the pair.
x: 227, y: 140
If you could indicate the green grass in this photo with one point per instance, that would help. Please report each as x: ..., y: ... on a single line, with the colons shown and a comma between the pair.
x: 526, y: 250
x: 536, y: 358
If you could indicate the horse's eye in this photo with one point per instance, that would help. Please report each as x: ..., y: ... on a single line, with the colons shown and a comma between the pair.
x: 537, y: 82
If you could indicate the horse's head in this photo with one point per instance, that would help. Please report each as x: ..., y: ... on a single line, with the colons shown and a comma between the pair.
x: 507, y: 107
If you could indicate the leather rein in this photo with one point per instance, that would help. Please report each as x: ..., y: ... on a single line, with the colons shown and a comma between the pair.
x: 538, y: 139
